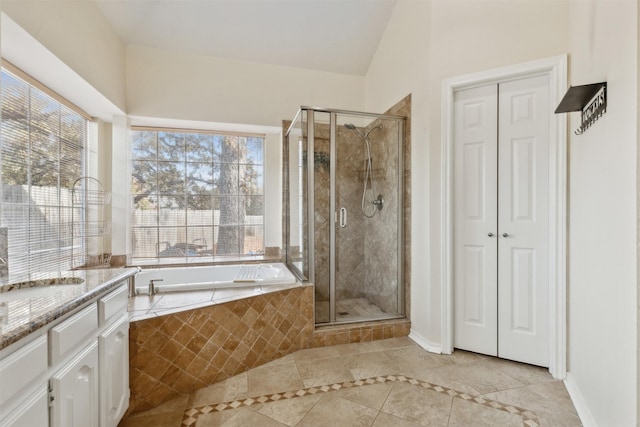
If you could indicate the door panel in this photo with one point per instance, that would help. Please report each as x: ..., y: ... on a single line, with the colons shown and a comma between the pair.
x: 501, y: 227
x: 75, y: 391
x: 475, y: 218
x: 523, y: 215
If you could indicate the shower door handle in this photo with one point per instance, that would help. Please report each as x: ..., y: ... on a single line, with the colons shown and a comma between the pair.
x: 343, y: 217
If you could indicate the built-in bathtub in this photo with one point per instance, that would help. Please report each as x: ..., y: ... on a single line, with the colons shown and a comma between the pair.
x: 182, y: 279
x: 207, y: 324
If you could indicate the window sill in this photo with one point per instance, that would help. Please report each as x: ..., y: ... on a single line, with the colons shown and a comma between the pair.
x: 192, y: 261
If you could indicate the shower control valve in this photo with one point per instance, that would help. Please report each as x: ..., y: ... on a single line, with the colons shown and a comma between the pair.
x: 379, y: 202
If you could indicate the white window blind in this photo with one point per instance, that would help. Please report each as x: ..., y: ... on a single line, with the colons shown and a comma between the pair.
x: 42, y: 153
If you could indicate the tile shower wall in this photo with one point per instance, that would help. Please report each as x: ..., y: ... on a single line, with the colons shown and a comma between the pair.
x: 366, y: 262
x: 351, y: 242
x: 176, y: 354
x: 366, y: 257
x: 381, y: 230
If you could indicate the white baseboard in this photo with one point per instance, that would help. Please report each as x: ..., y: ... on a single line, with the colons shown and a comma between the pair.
x: 424, y: 343
x: 578, y: 401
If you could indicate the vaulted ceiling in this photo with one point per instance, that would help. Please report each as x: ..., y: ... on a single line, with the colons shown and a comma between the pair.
x: 328, y: 35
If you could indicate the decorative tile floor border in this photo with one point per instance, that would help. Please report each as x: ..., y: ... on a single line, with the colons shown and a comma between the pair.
x: 529, y: 418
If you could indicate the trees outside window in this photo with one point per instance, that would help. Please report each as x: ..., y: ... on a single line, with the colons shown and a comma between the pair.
x: 196, y: 194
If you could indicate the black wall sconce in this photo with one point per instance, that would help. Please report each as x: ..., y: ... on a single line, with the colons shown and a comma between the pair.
x: 591, y: 100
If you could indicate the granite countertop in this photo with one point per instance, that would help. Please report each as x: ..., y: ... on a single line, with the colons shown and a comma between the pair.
x: 30, y: 303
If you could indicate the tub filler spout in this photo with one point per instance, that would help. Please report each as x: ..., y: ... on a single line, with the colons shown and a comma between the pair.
x: 152, y: 286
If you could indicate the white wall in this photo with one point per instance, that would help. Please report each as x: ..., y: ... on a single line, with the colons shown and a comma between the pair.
x: 400, y: 67
x: 119, y: 186
x: 182, y: 86
x: 273, y: 190
x: 162, y: 83
x: 426, y: 42
x: 78, y: 34
x: 603, y: 217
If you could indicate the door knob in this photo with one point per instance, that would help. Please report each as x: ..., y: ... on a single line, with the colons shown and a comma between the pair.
x: 505, y: 234
x: 490, y: 234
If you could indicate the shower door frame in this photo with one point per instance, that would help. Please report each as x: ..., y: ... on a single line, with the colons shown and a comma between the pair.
x: 333, y: 114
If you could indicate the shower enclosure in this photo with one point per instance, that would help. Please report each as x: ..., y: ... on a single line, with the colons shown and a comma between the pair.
x: 343, y: 197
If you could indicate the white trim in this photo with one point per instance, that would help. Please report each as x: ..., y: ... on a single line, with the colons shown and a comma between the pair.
x: 424, y: 343
x: 556, y: 69
x: 586, y: 417
x: 143, y: 121
x: 28, y: 54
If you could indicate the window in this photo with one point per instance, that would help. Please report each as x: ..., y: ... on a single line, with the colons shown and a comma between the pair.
x: 196, y: 194
x: 42, y: 154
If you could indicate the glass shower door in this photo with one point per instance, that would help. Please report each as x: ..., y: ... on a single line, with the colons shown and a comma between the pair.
x: 366, y: 281
x: 344, y: 175
x: 322, y: 218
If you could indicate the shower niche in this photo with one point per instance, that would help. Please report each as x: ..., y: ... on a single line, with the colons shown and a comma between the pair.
x: 344, y: 212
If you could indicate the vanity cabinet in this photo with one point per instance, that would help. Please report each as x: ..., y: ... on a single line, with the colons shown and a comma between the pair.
x: 23, y: 386
x: 32, y: 412
x: 114, y: 372
x: 74, y: 390
x: 75, y: 374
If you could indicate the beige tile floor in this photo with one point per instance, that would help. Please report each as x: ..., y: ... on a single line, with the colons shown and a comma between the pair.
x: 391, y: 382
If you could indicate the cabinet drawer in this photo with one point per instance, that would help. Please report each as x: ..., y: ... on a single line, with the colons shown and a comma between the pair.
x: 70, y: 333
x: 22, y: 367
x: 113, y: 305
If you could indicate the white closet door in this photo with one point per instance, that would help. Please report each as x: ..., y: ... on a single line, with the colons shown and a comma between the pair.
x: 523, y: 278
x: 501, y: 224
x: 475, y: 220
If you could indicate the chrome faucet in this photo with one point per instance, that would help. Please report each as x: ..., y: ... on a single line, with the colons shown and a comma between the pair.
x: 132, y: 283
x: 152, y: 286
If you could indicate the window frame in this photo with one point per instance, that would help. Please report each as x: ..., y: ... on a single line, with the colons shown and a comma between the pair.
x: 187, y: 245
x: 47, y: 245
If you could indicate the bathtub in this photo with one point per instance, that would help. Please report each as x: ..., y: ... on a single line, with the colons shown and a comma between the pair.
x: 181, y: 279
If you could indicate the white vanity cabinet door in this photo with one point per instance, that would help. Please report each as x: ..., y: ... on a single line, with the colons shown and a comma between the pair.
x: 32, y: 412
x: 75, y: 391
x: 114, y: 372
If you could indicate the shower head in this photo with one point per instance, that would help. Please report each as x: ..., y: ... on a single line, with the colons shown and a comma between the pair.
x: 350, y: 126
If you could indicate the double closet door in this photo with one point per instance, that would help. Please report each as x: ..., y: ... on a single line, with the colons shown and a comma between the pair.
x: 501, y: 216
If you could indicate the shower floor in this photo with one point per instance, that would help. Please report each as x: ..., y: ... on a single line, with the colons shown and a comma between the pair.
x: 348, y: 309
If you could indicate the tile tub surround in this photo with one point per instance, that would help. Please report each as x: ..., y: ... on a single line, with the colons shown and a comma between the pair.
x: 382, y: 383
x: 27, y: 308
x: 174, y: 351
x: 175, y: 354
